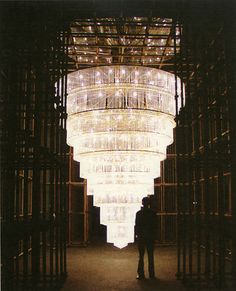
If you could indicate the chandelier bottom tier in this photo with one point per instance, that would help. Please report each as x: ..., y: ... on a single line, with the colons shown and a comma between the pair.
x: 120, y: 121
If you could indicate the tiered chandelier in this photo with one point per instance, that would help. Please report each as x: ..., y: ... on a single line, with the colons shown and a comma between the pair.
x: 120, y: 121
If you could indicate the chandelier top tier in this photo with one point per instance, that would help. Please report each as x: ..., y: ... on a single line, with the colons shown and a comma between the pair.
x: 124, y: 87
x: 120, y: 121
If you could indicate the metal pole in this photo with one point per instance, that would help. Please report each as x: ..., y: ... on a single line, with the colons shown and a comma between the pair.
x: 177, y: 166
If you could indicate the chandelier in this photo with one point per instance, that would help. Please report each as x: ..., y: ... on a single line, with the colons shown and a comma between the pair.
x: 120, y: 121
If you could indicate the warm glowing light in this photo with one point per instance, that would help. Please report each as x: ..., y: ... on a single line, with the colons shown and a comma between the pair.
x: 120, y: 121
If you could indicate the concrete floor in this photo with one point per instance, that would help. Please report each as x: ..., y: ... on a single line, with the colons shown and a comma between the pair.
x: 106, y: 268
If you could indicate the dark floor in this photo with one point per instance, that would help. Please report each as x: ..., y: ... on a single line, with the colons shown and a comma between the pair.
x: 106, y: 268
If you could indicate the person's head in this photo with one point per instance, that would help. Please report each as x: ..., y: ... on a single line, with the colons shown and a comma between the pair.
x: 145, y: 202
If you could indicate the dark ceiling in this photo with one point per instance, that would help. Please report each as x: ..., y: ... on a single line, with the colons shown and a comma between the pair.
x: 128, y: 40
x: 103, y: 32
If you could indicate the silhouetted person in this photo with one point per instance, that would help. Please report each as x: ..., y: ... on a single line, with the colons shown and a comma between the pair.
x: 145, y: 233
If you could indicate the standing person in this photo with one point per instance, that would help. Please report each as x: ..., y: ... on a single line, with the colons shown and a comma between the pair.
x: 145, y: 234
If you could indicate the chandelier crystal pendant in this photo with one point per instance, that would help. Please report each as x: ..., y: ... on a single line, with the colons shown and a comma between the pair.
x: 120, y: 121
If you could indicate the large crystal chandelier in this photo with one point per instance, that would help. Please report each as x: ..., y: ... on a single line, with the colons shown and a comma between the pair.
x: 120, y: 121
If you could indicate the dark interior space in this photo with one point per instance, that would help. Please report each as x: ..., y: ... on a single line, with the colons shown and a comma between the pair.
x: 50, y: 229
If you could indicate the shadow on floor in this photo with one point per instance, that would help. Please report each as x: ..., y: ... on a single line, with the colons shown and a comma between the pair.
x: 106, y: 268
